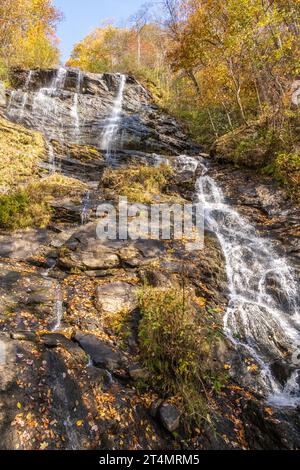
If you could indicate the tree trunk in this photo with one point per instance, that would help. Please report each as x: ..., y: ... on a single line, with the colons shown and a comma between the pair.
x: 227, y: 114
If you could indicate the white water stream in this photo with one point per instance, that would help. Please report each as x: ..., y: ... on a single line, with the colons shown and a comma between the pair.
x: 113, y: 121
x: 74, y: 110
x: 263, y: 315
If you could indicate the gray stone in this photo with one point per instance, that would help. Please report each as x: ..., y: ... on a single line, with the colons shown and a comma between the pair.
x: 154, y: 409
x: 116, y: 296
x: 151, y: 130
x: 101, y: 353
x: 55, y: 340
x: 170, y: 417
x: 90, y: 256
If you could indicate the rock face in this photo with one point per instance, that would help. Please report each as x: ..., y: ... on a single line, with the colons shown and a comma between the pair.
x: 143, y: 126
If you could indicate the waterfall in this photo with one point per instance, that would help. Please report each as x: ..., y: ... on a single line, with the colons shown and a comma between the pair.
x: 263, y: 311
x: 11, y: 102
x: 113, y: 121
x: 51, y: 158
x: 74, y: 110
x: 24, y: 98
x: 85, y: 208
x: 44, y: 101
x: 58, y: 309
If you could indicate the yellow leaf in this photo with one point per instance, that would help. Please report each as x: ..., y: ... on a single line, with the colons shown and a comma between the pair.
x: 79, y: 423
x: 44, y: 445
x: 19, y: 406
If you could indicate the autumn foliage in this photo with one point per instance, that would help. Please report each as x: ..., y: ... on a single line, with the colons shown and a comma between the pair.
x: 27, y: 34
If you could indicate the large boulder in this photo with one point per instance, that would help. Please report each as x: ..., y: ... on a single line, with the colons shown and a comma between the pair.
x: 92, y: 255
x: 116, y: 296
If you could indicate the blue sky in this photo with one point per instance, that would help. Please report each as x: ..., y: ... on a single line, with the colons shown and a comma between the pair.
x: 82, y: 16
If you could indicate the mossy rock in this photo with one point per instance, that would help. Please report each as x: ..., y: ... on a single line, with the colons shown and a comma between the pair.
x: 83, y: 153
x: 140, y: 184
x: 250, y: 145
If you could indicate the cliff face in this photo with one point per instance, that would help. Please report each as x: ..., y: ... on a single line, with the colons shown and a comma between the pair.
x: 72, y: 367
x: 74, y: 107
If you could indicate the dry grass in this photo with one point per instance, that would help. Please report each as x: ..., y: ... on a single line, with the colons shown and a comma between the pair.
x: 58, y: 185
x: 141, y: 184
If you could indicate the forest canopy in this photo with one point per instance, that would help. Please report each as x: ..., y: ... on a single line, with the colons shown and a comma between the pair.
x: 28, y: 34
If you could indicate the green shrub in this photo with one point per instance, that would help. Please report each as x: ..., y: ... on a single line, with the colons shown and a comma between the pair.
x: 169, y: 335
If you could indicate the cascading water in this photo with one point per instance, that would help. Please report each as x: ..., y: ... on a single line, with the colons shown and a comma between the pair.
x: 15, y: 109
x: 84, y: 216
x: 113, y: 121
x: 2, y: 352
x: 74, y: 110
x: 44, y: 101
x: 263, y: 312
x: 58, y: 309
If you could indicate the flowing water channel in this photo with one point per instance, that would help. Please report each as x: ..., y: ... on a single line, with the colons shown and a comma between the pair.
x: 263, y: 314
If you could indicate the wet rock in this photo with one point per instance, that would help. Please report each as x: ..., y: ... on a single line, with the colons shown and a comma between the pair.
x: 55, y: 340
x: 142, y: 125
x: 116, y: 296
x: 169, y: 416
x: 101, y: 353
x: 281, y: 371
x: 91, y: 256
x: 99, y: 376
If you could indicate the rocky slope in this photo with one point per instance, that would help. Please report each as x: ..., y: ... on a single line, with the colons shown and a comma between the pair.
x: 70, y: 369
